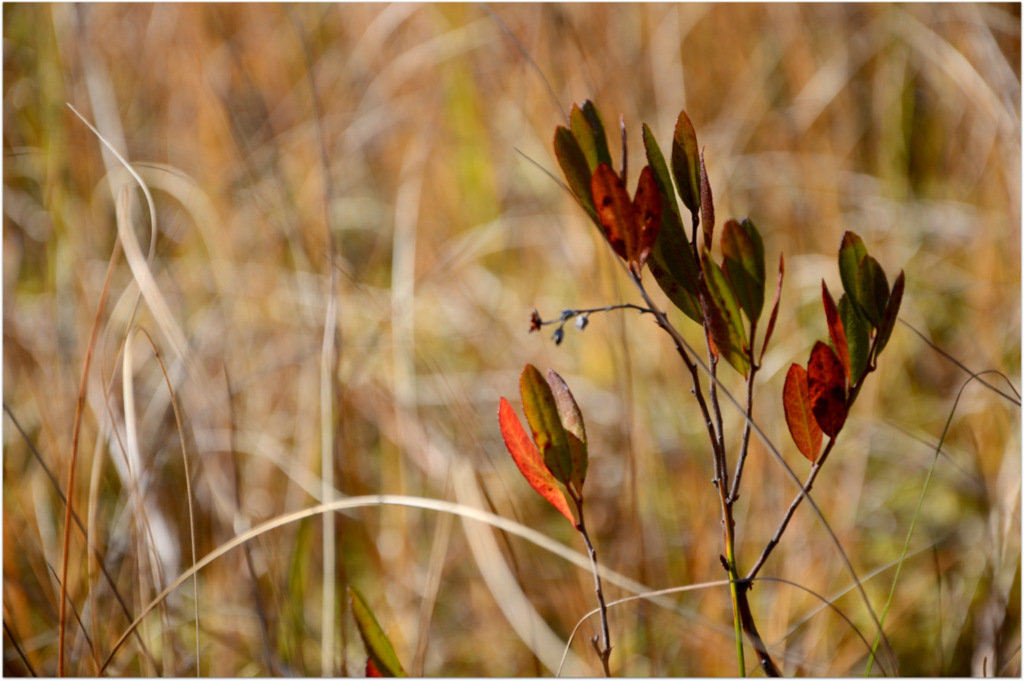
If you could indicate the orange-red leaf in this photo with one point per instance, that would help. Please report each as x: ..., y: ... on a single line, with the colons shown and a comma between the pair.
x: 796, y: 403
x: 529, y: 461
x: 836, y: 331
x: 826, y: 384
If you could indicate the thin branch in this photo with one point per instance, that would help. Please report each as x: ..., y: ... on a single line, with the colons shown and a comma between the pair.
x: 734, y: 491
x: 604, y: 647
x: 805, y: 491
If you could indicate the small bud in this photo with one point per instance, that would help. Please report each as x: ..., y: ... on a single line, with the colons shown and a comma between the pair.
x: 567, y: 315
x: 535, y: 321
x: 581, y: 322
x: 558, y: 335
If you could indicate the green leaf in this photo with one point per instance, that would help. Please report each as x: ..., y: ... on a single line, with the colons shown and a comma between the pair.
x: 378, y: 647
x: 892, y: 309
x: 676, y: 271
x: 572, y: 421
x: 584, y: 134
x: 576, y: 169
x: 671, y: 261
x: 857, y: 339
x: 528, y: 460
x: 600, y: 141
x: 586, y: 125
x: 743, y: 263
x: 851, y: 250
x: 545, y: 423
x: 657, y: 162
x: 686, y: 163
x: 722, y: 314
x: 872, y: 290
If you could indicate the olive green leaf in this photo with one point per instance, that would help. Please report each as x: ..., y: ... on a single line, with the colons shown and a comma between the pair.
x: 546, y: 423
x: 743, y: 263
x: 575, y: 168
x: 378, y: 647
x: 722, y: 314
x: 686, y: 163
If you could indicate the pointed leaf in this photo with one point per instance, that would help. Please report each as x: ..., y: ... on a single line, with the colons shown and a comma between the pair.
x: 614, y: 208
x: 671, y: 261
x: 796, y: 403
x: 707, y: 205
x: 775, y: 306
x: 593, y: 118
x: 378, y: 647
x: 576, y: 170
x: 857, y: 340
x: 545, y: 423
x: 529, y: 461
x: 743, y: 263
x: 851, y: 250
x: 723, y: 316
x: 826, y: 385
x: 892, y: 309
x: 572, y: 421
x: 656, y: 160
x: 647, y: 209
x: 584, y: 135
x: 836, y: 331
x: 872, y: 289
x: 686, y: 163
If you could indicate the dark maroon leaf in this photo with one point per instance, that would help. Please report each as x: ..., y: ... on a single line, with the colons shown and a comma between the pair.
x: 826, y: 384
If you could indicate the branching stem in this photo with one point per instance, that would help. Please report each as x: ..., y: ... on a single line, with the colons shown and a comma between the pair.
x: 743, y: 620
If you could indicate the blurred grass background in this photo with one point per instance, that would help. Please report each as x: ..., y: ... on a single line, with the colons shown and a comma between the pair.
x: 410, y: 139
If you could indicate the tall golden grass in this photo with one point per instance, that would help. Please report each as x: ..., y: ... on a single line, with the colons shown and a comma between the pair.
x: 353, y: 225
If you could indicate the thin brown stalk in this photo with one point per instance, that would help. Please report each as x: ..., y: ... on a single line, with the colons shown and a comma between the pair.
x: 602, y: 646
x: 73, y: 459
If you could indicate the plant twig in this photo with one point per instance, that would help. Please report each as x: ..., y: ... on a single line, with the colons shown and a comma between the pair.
x: 734, y: 491
x: 602, y: 646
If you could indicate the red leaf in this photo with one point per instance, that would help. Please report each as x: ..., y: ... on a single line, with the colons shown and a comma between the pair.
x: 614, y: 209
x: 796, y: 403
x: 371, y: 669
x: 528, y: 459
x: 631, y: 226
x: 647, y: 208
x: 836, y: 331
x: 775, y: 306
x: 826, y: 384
